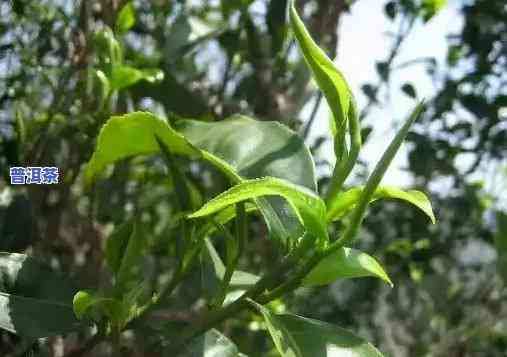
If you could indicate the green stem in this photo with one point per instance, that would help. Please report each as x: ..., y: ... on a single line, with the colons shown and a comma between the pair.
x: 343, y: 169
x: 374, y: 180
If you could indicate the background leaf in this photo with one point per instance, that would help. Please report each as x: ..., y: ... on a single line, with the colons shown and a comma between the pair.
x: 34, y: 301
x: 126, y: 18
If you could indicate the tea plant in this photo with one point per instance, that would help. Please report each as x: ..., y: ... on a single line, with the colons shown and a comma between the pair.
x: 271, y: 174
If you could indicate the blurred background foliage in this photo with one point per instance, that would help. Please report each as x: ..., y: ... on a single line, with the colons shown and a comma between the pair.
x: 63, y: 74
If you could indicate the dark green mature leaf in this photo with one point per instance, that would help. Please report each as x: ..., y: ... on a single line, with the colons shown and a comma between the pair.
x: 309, y: 207
x: 240, y: 147
x: 409, y: 90
x: 34, y: 301
x: 126, y: 18
x: 134, y: 134
x: 253, y: 149
x: 329, y: 79
x: 296, y: 336
x: 244, y: 148
x: 347, y: 200
x: 345, y: 263
x: 213, y: 344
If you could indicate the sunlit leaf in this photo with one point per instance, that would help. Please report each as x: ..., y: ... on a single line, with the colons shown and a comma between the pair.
x: 329, y: 79
x: 296, y: 336
x: 431, y: 7
x: 123, y: 76
x: 134, y: 134
x: 348, y: 199
x: 345, y: 263
x: 126, y: 18
x: 308, y: 206
x: 244, y: 148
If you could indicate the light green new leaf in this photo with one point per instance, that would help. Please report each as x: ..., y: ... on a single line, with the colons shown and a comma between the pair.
x: 296, y: 336
x: 375, y: 178
x: 122, y: 76
x: 345, y: 263
x: 329, y: 79
x: 126, y: 18
x: 86, y: 301
x: 34, y: 301
x: 348, y: 199
x: 134, y: 134
x: 309, y: 207
x: 431, y: 7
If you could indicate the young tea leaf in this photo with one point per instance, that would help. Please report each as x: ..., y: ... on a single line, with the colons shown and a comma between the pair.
x: 345, y: 263
x: 134, y: 134
x: 309, y: 208
x: 330, y: 80
x: 126, y: 18
x: 348, y: 199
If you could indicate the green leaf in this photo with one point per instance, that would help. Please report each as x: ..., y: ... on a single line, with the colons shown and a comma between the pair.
x: 107, y: 47
x: 240, y: 147
x: 88, y: 302
x: 431, y: 7
x: 409, y: 90
x: 131, y: 254
x: 345, y: 263
x: 116, y: 245
x: 243, y: 148
x: 126, y: 18
x: 375, y: 178
x: 212, y: 275
x: 222, y: 218
x: 309, y: 207
x: 122, y: 76
x: 296, y: 336
x: 330, y: 80
x: 134, y: 134
x: 34, y: 301
x: 348, y: 199
x: 213, y: 344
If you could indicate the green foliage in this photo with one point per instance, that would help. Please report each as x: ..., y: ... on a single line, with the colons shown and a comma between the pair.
x: 34, y: 301
x: 126, y: 18
x: 168, y: 226
x: 133, y: 134
x: 345, y: 263
x: 310, y: 208
x: 296, y: 336
x: 348, y: 199
x: 329, y: 79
